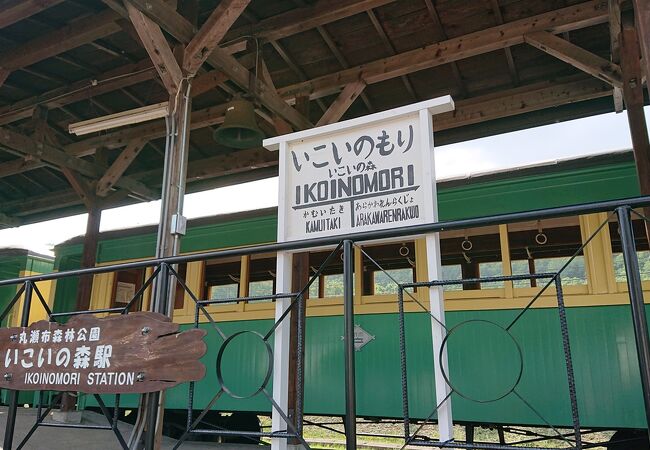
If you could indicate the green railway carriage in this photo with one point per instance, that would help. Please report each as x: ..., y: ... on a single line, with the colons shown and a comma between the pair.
x: 18, y: 262
x: 599, y: 321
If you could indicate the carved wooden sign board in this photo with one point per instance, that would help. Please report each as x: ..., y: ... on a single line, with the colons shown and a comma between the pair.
x: 135, y: 353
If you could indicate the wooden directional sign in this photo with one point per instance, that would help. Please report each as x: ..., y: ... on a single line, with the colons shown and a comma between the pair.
x: 134, y: 353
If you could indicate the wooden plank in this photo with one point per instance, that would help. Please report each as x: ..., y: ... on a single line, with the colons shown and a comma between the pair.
x: 119, y: 166
x: 576, y: 56
x: 342, y: 103
x: 342, y: 61
x: 211, y: 33
x: 390, y: 49
x: 58, y: 158
x: 509, y: 58
x: 72, y: 35
x: 19, y: 165
x: 182, y: 30
x: 305, y: 18
x: 13, y: 11
x: 157, y: 47
x: 134, y: 353
x: 480, y: 42
x: 519, y: 101
x: 442, y: 36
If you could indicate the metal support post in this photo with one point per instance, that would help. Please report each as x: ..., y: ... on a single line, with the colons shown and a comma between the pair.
x: 159, y: 305
x: 13, y: 394
x: 635, y: 289
x: 350, y: 388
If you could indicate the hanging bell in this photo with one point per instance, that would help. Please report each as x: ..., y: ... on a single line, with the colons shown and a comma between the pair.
x: 239, y: 129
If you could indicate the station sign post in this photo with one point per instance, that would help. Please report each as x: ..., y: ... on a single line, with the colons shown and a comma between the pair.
x: 365, y: 174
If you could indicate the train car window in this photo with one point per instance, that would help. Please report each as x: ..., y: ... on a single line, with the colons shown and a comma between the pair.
x: 330, y: 280
x: 125, y: 286
x: 473, y: 253
x: 452, y: 272
x: 396, y: 264
x: 642, y: 250
x: 491, y: 269
x: 179, y: 296
x: 545, y: 247
x: 221, y: 278
x: 261, y: 279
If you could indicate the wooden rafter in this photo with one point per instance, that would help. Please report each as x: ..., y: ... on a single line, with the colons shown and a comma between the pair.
x: 305, y: 18
x: 176, y: 25
x: 342, y: 103
x: 211, y: 33
x: 72, y: 35
x: 119, y: 166
x: 521, y: 100
x: 480, y: 42
x: 157, y: 47
x: 58, y: 158
x: 509, y: 58
x: 80, y: 186
x: 390, y: 49
x: 442, y: 36
x: 576, y: 56
x: 16, y: 10
x: 19, y: 165
x: 342, y: 61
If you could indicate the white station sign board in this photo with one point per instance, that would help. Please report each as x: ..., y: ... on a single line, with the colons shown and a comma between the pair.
x: 370, y: 173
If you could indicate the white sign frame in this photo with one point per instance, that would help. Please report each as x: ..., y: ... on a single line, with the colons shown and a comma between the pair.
x: 422, y: 112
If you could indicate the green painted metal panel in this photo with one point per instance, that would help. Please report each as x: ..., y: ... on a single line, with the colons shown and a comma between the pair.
x: 481, y: 364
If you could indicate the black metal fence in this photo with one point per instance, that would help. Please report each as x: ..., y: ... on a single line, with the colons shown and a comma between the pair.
x: 165, y: 275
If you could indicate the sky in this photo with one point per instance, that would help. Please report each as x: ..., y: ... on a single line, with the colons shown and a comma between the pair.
x: 596, y: 134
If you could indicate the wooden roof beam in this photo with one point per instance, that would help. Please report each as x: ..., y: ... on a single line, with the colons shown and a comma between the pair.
x: 570, y: 18
x: 13, y: 11
x: 182, y: 30
x: 305, y: 18
x: 342, y: 61
x: 342, y: 103
x: 157, y: 47
x: 442, y: 36
x: 19, y: 165
x: 521, y: 100
x: 74, y: 34
x: 509, y: 59
x: 576, y: 56
x: 58, y: 158
x: 211, y: 33
x: 119, y: 166
x: 390, y: 49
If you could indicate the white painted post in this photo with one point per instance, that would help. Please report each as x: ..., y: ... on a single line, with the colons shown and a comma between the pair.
x: 436, y: 300
x: 282, y: 333
x: 281, y: 349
